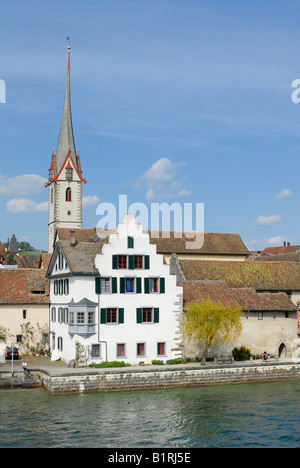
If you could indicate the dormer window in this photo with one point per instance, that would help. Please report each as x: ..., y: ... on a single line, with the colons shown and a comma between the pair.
x: 68, y: 195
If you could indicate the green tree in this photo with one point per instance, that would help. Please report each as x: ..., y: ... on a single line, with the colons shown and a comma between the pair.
x: 208, y: 323
x: 11, y: 260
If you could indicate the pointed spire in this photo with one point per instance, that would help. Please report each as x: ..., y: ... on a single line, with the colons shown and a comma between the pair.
x: 66, y: 141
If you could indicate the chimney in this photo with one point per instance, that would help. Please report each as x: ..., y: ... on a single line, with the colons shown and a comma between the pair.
x: 288, y: 244
x: 284, y: 243
x: 72, y: 239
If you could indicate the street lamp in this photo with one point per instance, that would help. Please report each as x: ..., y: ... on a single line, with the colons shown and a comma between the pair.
x: 12, y: 359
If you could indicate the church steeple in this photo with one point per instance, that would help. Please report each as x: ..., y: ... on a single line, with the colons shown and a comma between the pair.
x: 65, y: 175
x: 66, y: 140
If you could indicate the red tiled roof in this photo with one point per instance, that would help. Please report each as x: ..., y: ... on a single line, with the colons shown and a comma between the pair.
x: 268, y: 276
x: 23, y: 286
x: 214, y: 243
x: 247, y: 298
x: 280, y: 250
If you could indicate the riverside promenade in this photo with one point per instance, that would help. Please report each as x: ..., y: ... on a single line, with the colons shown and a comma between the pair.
x: 56, y: 377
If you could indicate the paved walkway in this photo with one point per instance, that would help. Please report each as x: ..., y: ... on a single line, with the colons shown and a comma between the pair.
x: 34, y: 362
x: 60, y: 367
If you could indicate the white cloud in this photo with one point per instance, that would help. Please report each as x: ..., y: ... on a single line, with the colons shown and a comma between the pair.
x: 268, y: 219
x: 162, y: 181
x: 90, y: 201
x: 251, y: 242
x: 21, y: 185
x: 275, y: 240
x: 24, y: 205
x: 285, y: 193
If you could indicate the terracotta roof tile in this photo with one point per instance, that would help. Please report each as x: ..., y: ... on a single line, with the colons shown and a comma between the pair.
x: 214, y: 243
x: 23, y: 286
x: 268, y: 276
x: 247, y: 298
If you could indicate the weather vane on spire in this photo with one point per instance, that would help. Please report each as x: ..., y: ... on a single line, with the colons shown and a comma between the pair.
x: 69, y: 50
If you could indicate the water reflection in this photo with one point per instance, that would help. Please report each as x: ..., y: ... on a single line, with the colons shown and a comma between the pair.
x: 215, y: 416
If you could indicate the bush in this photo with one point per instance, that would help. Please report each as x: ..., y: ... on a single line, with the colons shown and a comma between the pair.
x: 156, y: 362
x: 110, y: 364
x: 241, y: 354
x: 175, y: 361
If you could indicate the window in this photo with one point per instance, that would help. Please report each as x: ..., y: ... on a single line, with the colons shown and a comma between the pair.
x: 91, y: 317
x: 131, y: 262
x: 161, y: 349
x: 68, y: 195
x: 53, y: 314
x: 111, y: 316
x: 71, y: 318
x: 60, y: 343
x: 138, y: 262
x: 147, y: 315
x: 80, y: 317
x: 129, y: 285
x: 66, y: 286
x: 62, y: 315
x: 96, y: 351
x: 24, y: 314
x: 260, y: 316
x: 130, y: 242
x: 140, y: 349
x: 120, y: 349
x: 105, y: 285
x: 153, y: 285
x: 61, y: 287
x: 19, y: 338
x: 122, y: 261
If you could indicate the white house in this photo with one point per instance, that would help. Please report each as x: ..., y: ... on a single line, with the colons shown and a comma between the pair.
x: 115, y: 297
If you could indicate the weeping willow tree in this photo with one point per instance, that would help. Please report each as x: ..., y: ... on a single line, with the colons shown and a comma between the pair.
x: 209, y: 323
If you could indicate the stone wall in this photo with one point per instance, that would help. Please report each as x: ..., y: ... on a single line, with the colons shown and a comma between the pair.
x: 91, y: 380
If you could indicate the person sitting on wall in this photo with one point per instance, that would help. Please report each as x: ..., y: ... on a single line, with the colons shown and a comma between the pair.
x: 264, y: 356
x: 25, y: 368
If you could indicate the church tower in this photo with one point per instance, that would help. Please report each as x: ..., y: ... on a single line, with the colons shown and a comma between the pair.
x: 65, y: 175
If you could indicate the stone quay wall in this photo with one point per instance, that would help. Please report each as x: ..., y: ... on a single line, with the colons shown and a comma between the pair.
x: 92, y: 380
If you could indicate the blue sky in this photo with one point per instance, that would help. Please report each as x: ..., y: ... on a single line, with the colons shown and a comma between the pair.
x: 178, y: 101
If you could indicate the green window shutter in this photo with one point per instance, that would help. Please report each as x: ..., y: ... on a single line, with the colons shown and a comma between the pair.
x: 98, y: 285
x: 156, y: 315
x: 103, y: 315
x: 139, y: 315
x: 115, y: 262
x: 122, y: 285
x: 146, y: 285
x: 138, y: 285
x: 130, y: 242
x: 162, y: 285
x: 147, y: 262
x: 114, y: 287
x: 121, y: 315
x: 131, y: 262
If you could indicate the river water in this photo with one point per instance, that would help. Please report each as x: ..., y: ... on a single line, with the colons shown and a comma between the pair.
x: 244, y: 415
